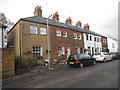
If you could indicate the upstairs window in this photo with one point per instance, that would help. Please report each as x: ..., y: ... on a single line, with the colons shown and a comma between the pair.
x: 75, y: 36
x: 95, y: 38
x: 98, y: 39
x: 87, y: 37
x: 36, y: 51
x: 64, y: 33
x: 79, y: 37
x: 90, y: 38
x: 43, y: 31
x: 104, y: 40
x: 33, y: 29
x: 58, y: 32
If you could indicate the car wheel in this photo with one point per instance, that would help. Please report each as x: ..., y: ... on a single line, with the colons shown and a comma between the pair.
x: 104, y: 60
x: 112, y: 59
x: 81, y: 65
x: 94, y: 62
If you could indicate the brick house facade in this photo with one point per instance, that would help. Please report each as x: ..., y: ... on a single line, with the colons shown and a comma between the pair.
x: 29, y: 36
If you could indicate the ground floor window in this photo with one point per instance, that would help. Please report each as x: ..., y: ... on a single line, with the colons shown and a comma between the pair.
x: 81, y: 50
x: 89, y: 51
x: 36, y: 51
x: 61, y: 50
x: 77, y: 50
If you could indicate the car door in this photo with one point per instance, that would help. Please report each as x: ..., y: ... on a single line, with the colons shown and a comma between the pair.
x: 106, y: 55
x: 87, y: 59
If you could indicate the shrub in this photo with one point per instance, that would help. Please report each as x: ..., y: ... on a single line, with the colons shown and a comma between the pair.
x: 40, y: 62
x: 40, y: 57
x: 30, y: 62
x: 19, y: 64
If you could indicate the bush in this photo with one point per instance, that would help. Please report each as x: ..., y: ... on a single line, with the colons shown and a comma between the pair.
x: 40, y: 62
x: 19, y: 64
x: 30, y: 62
x: 40, y: 57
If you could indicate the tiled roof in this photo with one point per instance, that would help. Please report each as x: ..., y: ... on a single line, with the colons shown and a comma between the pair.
x: 43, y: 20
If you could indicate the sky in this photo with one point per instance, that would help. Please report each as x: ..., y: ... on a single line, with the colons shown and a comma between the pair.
x: 101, y: 15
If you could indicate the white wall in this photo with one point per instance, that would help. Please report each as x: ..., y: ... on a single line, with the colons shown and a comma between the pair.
x: 93, y: 43
x: 110, y: 45
x: 98, y: 44
x: 88, y: 43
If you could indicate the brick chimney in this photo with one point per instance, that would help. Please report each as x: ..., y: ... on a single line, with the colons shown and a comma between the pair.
x: 38, y: 11
x: 78, y: 24
x: 68, y: 21
x: 55, y: 16
x: 86, y: 26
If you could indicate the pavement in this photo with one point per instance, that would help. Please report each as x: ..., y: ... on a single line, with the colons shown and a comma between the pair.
x: 38, y: 70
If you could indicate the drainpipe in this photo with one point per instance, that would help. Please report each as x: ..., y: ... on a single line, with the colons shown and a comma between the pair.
x: 2, y: 35
x: 20, y: 39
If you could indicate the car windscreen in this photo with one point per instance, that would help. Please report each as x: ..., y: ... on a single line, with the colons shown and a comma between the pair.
x: 97, y: 53
x: 112, y: 53
x: 105, y: 53
x: 79, y: 56
x: 71, y: 56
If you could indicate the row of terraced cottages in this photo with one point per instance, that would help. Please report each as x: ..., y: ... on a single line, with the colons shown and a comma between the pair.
x: 30, y: 37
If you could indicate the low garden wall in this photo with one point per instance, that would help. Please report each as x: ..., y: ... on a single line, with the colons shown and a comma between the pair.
x: 7, y: 62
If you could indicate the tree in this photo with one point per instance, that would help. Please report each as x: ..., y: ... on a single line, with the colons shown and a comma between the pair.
x: 5, y: 21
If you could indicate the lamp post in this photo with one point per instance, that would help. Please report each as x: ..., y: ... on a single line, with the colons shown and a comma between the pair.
x: 48, y: 38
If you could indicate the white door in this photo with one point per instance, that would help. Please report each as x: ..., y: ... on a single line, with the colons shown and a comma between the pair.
x: 68, y: 51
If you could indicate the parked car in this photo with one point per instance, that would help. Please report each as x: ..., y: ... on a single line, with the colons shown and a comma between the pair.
x: 102, y: 56
x: 116, y: 55
x: 80, y: 60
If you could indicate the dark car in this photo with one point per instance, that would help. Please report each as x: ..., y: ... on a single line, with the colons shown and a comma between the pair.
x: 115, y: 55
x: 80, y: 60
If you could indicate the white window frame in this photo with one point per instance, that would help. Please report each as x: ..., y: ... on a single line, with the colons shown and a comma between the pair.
x: 77, y: 49
x: 33, y: 29
x: 36, y: 51
x: 64, y: 33
x: 58, y: 33
x: 79, y: 37
x: 43, y: 30
x: 90, y: 37
x: 61, y: 50
x: 87, y: 37
x: 75, y: 35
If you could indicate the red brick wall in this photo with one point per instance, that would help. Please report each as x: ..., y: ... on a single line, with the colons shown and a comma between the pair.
x: 68, y: 41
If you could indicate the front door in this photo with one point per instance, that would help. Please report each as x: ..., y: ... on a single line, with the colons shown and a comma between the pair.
x: 68, y: 51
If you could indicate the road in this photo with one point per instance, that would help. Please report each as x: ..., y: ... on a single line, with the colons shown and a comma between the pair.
x: 101, y: 75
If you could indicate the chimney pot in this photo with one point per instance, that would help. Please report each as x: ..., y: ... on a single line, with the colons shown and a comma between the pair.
x: 86, y: 26
x: 55, y: 16
x: 69, y: 21
x: 38, y: 11
x: 78, y: 24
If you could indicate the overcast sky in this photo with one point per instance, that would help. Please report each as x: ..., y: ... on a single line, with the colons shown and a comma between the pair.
x: 102, y: 15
